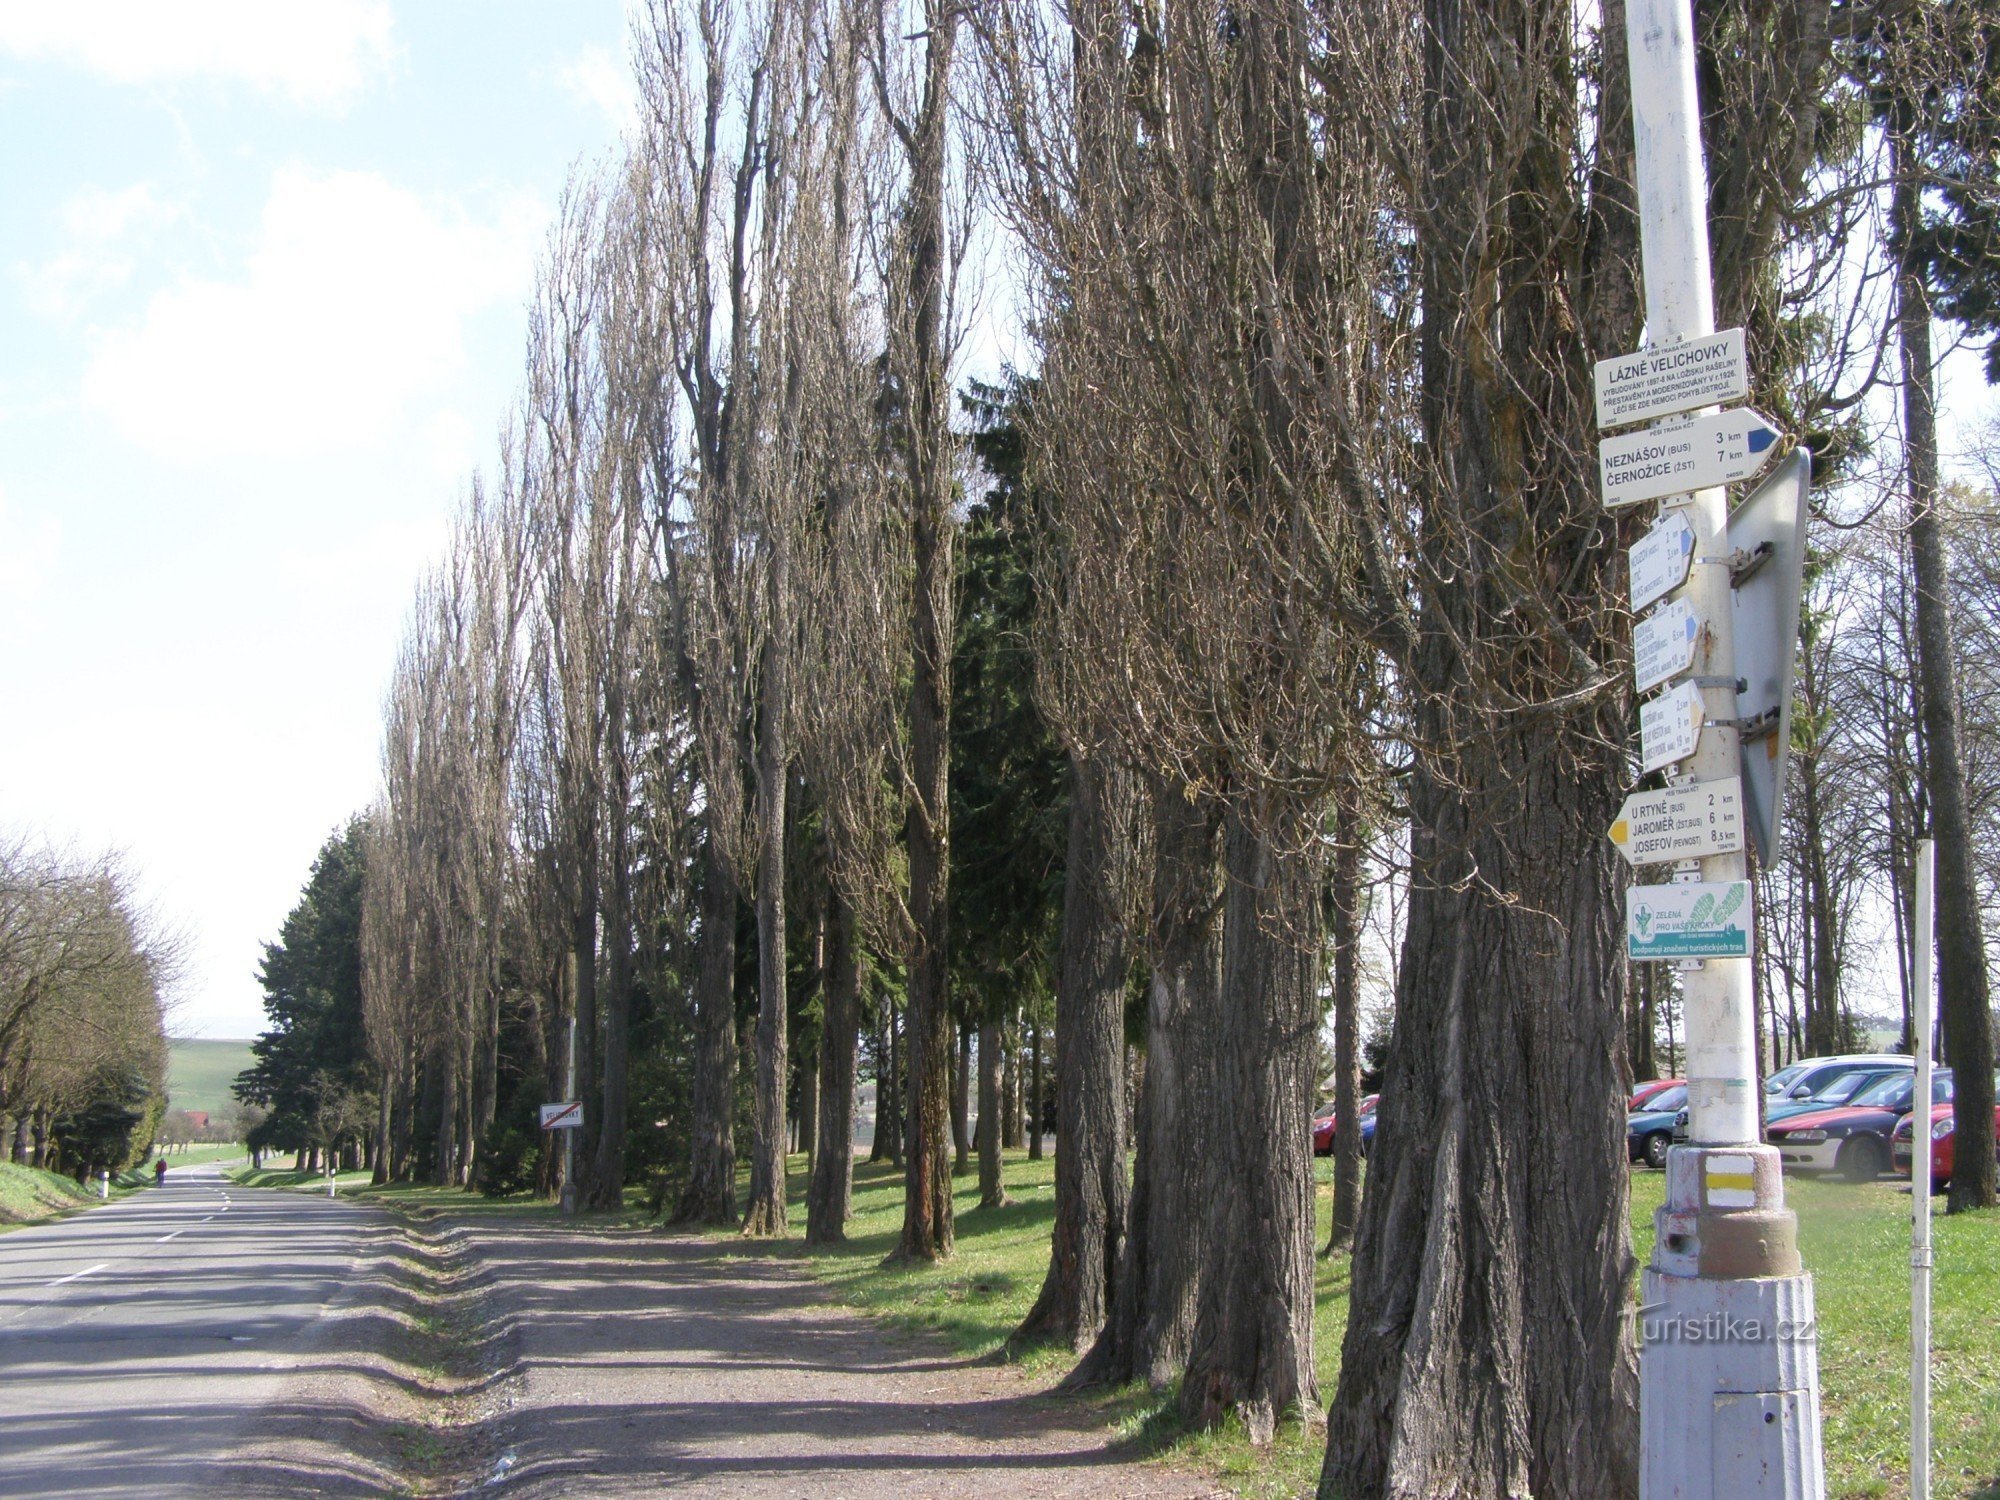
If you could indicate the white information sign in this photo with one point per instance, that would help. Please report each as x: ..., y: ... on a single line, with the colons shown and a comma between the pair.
x: 1663, y: 644
x: 1673, y: 378
x: 1688, y: 822
x: 1660, y: 559
x: 1726, y: 448
x: 1670, y: 726
x: 1697, y: 919
x: 563, y: 1116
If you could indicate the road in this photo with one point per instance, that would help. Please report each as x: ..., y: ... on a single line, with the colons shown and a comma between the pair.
x: 141, y: 1342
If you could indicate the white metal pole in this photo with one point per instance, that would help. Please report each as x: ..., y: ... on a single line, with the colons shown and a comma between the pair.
x: 1920, y: 1186
x: 1718, y: 1416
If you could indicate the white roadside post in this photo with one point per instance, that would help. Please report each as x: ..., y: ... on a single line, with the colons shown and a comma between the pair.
x: 104, y: 1185
x: 1729, y: 1379
x: 1920, y: 1186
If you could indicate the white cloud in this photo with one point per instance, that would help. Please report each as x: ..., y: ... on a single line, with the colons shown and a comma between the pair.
x: 350, y: 312
x: 599, y: 77
x: 104, y: 232
x: 317, y: 52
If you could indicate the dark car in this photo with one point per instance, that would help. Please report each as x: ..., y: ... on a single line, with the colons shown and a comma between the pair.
x: 1642, y: 1093
x: 1852, y: 1139
x: 1649, y: 1131
x: 1840, y: 1088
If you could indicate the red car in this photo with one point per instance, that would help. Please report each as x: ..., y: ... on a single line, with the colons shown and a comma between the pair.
x: 1944, y: 1131
x: 1641, y: 1092
x: 1323, y: 1125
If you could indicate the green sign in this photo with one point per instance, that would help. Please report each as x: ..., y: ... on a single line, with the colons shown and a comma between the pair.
x: 1697, y: 919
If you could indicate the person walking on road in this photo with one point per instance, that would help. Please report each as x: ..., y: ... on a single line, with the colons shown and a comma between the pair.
x: 160, y: 1172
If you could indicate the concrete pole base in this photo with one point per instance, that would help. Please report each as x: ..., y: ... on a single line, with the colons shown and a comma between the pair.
x: 1729, y: 1351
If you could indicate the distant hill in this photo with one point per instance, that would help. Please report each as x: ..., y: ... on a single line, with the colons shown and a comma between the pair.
x: 200, y: 1072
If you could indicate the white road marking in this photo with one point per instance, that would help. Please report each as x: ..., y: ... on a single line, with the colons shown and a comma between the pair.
x: 174, y: 1236
x: 66, y: 1280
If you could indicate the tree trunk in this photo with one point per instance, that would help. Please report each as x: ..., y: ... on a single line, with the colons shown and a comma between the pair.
x: 830, y: 1196
x: 961, y: 1103
x: 808, y: 1123
x: 1964, y: 1005
x: 992, y: 1189
x: 1091, y: 1186
x: 1250, y: 1353
x: 1346, y: 1024
x: 1488, y: 1351
x: 710, y: 1194
x: 1010, y: 1086
x: 385, y: 1095
x: 765, y: 1214
x: 1159, y: 1277
x: 1035, y: 1095
x: 927, y: 1214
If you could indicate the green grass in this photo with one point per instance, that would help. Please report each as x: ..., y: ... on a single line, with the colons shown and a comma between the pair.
x: 29, y: 1195
x: 200, y: 1071
x: 188, y: 1156
x: 1855, y: 1241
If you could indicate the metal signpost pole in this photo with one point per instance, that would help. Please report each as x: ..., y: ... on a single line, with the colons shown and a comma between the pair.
x: 1920, y: 1186
x: 1729, y: 1386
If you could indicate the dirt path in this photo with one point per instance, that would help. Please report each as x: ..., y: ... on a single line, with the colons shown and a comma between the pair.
x: 644, y: 1365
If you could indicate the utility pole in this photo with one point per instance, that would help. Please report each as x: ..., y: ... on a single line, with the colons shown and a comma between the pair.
x: 1729, y: 1375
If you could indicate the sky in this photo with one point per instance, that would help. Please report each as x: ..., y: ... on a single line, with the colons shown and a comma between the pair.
x: 263, y: 280
x: 263, y: 277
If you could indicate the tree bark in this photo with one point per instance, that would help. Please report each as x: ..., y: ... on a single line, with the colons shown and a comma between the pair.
x: 830, y: 1195
x: 992, y: 1188
x: 1964, y: 1003
x: 927, y: 1211
x: 1159, y: 1277
x: 765, y: 1214
x: 1091, y: 1185
x: 1010, y: 1085
x: 1250, y: 1352
x: 710, y: 1194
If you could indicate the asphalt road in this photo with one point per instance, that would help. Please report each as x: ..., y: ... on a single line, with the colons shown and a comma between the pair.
x: 138, y: 1341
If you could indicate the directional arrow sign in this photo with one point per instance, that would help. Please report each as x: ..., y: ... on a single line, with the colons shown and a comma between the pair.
x: 1663, y: 644
x: 563, y: 1116
x: 1726, y: 448
x: 1670, y: 726
x: 1684, y: 376
x: 1688, y: 822
x: 1697, y: 919
x: 1660, y: 559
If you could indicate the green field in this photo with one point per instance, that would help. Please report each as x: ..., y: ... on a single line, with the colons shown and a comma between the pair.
x: 200, y: 1072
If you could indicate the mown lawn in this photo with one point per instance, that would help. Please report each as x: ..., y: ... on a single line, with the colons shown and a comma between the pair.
x: 29, y: 1195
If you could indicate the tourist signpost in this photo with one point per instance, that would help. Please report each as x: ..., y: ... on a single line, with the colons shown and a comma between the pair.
x: 1719, y: 1418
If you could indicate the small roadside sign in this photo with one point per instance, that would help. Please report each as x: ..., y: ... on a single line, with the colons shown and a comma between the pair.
x: 1660, y: 559
x: 563, y: 1116
x: 1690, y: 822
x: 1670, y: 726
x: 1699, y: 454
x: 1673, y: 378
x: 1663, y: 644
x: 1695, y: 919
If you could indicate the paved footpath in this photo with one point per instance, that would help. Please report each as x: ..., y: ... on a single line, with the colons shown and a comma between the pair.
x: 143, y: 1340
x: 653, y: 1365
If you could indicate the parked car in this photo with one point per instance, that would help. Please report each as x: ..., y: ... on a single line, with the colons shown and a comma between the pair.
x: 1323, y: 1126
x: 1641, y: 1092
x: 1840, y: 1088
x: 1853, y: 1138
x: 1649, y: 1131
x: 1794, y: 1073
x: 1944, y: 1132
